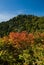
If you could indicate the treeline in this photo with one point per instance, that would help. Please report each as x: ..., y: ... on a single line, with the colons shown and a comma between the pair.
x: 20, y: 23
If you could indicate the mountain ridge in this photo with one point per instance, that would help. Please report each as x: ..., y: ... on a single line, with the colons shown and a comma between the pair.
x: 29, y: 23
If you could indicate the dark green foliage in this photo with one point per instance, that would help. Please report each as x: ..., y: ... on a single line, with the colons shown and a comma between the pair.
x: 20, y: 23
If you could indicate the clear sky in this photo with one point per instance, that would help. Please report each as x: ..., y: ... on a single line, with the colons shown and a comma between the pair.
x: 11, y: 8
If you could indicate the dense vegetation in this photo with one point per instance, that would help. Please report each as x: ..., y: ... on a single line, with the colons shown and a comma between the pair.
x: 22, y: 41
x: 20, y: 23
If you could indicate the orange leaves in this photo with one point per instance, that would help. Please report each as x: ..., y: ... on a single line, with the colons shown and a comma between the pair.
x: 22, y: 38
x: 18, y: 37
x: 5, y: 39
x: 31, y: 38
x: 11, y: 35
x: 42, y: 35
x: 13, y: 38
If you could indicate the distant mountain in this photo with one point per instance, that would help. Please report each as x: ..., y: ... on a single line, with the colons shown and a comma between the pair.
x: 29, y: 23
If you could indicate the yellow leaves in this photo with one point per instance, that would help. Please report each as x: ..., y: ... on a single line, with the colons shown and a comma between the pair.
x: 25, y: 64
x: 5, y: 39
x: 1, y: 52
x: 1, y: 40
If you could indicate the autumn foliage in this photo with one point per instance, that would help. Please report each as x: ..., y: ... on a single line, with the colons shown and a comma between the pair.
x: 22, y: 39
x: 23, y: 48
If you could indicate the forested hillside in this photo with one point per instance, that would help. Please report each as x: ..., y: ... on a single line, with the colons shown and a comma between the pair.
x: 20, y: 23
x: 22, y: 41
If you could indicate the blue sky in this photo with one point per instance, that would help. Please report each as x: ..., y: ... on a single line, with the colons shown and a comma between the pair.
x: 11, y: 8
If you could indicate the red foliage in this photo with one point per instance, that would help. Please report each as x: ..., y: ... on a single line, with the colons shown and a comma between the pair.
x: 16, y: 38
x: 22, y: 38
